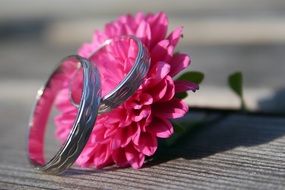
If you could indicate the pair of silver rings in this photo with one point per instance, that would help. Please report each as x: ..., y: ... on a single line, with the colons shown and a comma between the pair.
x: 91, y: 104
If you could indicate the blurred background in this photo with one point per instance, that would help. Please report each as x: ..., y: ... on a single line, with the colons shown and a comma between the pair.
x: 222, y: 36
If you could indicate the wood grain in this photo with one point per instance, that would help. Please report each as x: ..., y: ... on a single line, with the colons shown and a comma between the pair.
x: 240, y: 152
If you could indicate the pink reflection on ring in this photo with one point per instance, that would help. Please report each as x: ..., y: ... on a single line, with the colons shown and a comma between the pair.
x: 45, y: 100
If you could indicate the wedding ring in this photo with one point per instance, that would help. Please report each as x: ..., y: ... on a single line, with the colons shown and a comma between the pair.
x: 83, y: 123
x: 127, y: 52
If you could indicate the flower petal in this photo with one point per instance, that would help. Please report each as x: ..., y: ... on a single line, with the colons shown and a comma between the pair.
x: 136, y: 136
x: 175, y: 36
x: 160, y: 70
x: 122, y: 137
x: 64, y: 123
x: 98, y: 135
x: 158, y: 24
x: 159, y: 90
x: 161, y: 127
x: 162, y: 51
x: 157, y: 73
x: 119, y: 157
x: 178, y: 63
x: 131, y: 131
x: 101, y: 155
x: 183, y: 86
x: 62, y: 102
x: 141, y: 114
x: 98, y: 39
x: 173, y: 109
x: 86, y: 157
x: 139, y: 17
x: 144, y: 33
x: 135, y: 158
x: 128, y: 24
x: 170, y: 91
x: 147, y: 144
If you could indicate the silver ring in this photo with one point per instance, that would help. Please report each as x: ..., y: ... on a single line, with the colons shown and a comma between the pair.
x: 131, y: 81
x: 83, y: 124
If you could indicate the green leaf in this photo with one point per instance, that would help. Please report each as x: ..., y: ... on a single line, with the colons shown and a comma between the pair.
x: 178, y: 128
x: 235, y: 82
x: 181, y: 95
x: 193, y: 76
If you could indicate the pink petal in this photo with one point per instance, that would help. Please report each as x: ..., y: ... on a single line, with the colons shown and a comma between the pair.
x: 170, y: 92
x: 132, y: 53
x: 147, y: 144
x: 65, y: 118
x: 135, y: 158
x: 158, y: 24
x: 62, y: 101
x: 162, y: 51
x: 136, y: 136
x: 128, y: 24
x: 162, y: 127
x: 183, y: 86
x: 101, y: 155
x: 111, y: 29
x: 159, y: 90
x: 144, y: 33
x: 178, y: 63
x: 99, y: 135
x: 160, y: 70
x: 139, y: 100
x: 139, y: 17
x: 117, y: 140
x: 133, y: 105
x: 146, y: 99
x: 64, y: 123
x: 119, y: 157
x: 98, y: 38
x: 131, y: 131
x: 123, y: 137
x: 115, y: 116
x: 175, y: 36
x: 157, y: 73
x: 86, y: 157
x: 144, y: 123
x: 143, y: 113
x: 173, y: 109
x: 110, y: 132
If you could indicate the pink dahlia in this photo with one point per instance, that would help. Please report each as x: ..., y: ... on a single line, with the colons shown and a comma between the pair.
x: 127, y: 134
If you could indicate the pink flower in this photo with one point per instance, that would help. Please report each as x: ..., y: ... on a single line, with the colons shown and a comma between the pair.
x: 127, y: 134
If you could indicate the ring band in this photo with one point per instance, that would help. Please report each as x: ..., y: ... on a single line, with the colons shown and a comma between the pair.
x: 132, y: 80
x: 83, y: 124
x: 90, y: 105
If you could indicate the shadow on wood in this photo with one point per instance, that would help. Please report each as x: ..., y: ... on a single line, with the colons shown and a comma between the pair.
x: 276, y: 103
x: 232, y: 132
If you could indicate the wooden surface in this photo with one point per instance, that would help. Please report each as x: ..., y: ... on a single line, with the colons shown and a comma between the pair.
x: 241, y: 152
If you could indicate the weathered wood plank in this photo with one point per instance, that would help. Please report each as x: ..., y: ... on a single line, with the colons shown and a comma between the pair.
x: 241, y: 152
x: 224, y: 31
x: 67, y: 9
